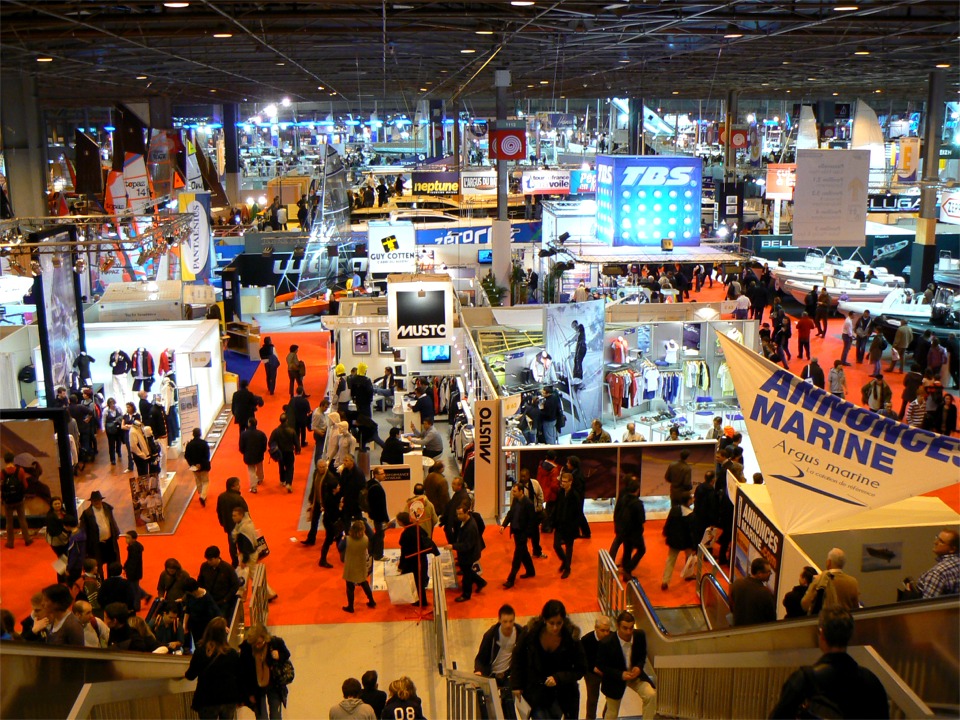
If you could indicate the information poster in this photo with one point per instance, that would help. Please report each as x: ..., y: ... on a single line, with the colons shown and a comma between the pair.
x: 147, y: 499
x: 189, y: 409
x: 574, y: 335
x: 755, y: 536
x: 830, y: 198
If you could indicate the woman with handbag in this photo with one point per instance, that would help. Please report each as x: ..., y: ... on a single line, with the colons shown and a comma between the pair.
x: 356, y: 566
x: 216, y: 668
x: 112, y: 424
x: 245, y: 536
x: 266, y: 671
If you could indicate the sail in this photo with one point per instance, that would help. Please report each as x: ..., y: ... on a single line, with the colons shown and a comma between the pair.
x: 808, y: 138
x: 89, y: 178
x: 210, y: 178
x: 867, y: 135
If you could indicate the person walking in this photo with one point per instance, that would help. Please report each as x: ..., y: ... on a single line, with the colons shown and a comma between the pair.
x: 271, y: 363
x: 621, y: 658
x: 847, y: 336
x: 415, y: 543
x: 13, y: 492
x: 805, y: 326
x: 566, y: 522
x: 244, y: 405
x: 229, y: 499
x: 356, y: 570
x: 862, y: 331
x: 822, y: 312
x: 197, y: 455
x: 296, y: 368
x: 521, y: 519
x: 216, y: 668
x: 634, y: 517
x: 253, y: 447
x: 901, y: 341
x: 837, y: 379
x: 875, y: 353
x: 265, y: 669
x: 286, y: 443
x: 329, y: 483
x: 245, y: 536
x: 678, y: 531
x: 468, y: 546
x: 377, y: 511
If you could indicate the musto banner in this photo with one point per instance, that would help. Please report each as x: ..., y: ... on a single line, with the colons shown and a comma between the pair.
x: 421, y: 313
x: 823, y: 457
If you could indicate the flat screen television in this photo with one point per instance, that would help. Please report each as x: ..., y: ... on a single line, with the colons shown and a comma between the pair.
x: 435, y: 354
x: 485, y: 257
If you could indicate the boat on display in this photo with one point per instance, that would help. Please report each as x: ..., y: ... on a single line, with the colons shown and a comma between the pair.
x: 816, y: 265
x: 902, y: 302
x: 947, y: 271
x: 839, y: 288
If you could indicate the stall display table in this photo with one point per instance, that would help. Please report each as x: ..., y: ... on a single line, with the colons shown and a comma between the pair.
x: 244, y: 338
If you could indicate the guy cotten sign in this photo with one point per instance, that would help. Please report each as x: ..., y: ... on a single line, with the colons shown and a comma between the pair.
x: 419, y: 314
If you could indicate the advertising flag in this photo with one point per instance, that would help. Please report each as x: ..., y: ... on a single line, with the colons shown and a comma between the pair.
x: 195, y: 249
x: 391, y: 247
x: 137, y: 182
x: 421, y: 313
x: 508, y: 140
x: 908, y: 159
x: 823, y: 457
x: 781, y: 179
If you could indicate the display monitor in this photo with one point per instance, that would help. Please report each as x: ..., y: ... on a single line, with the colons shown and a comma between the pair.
x: 485, y: 257
x: 435, y: 354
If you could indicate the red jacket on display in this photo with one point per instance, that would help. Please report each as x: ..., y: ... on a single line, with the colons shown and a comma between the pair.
x: 166, y: 361
x: 143, y: 366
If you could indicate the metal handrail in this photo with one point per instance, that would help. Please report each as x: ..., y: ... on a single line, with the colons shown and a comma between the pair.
x: 703, y: 553
x: 94, y: 695
x: 650, y: 609
x: 708, y: 614
x: 258, y: 595
x: 611, y: 594
x: 440, y: 629
x: 462, y: 691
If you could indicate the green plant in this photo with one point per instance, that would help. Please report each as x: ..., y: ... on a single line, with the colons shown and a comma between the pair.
x: 518, y: 286
x: 494, y: 292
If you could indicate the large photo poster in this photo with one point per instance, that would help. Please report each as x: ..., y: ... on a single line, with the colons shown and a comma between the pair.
x: 574, y: 339
x: 755, y: 536
x: 33, y: 445
x: 59, y: 311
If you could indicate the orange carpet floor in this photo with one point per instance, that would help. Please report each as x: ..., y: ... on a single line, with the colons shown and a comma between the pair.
x: 309, y: 594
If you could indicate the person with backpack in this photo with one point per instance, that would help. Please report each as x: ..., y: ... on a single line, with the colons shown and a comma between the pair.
x: 836, y: 686
x: 13, y: 492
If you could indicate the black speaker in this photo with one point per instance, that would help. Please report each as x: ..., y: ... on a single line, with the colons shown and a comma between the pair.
x: 666, y: 244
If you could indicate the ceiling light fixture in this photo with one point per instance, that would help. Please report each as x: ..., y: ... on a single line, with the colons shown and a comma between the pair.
x: 483, y: 31
x: 861, y: 51
x: 467, y: 51
x: 141, y: 77
x: 943, y: 65
x: 732, y: 33
x: 44, y: 59
x: 176, y: 5
x: 319, y: 87
x: 423, y: 89
x: 544, y: 82
x: 846, y: 8
x: 521, y: 3
x: 835, y: 94
x: 223, y: 35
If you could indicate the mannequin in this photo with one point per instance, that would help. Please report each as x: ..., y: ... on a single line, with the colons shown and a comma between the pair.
x: 670, y: 351
x: 120, y: 364
x: 620, y: 350
x: 170, y: 401
x: 166, y: 361
x: 143, y: 369
x: 82, y: 364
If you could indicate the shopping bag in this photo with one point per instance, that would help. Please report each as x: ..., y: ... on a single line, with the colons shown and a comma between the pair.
x: 262, y: 549
x: 402, y: 589
x: 689, y: 571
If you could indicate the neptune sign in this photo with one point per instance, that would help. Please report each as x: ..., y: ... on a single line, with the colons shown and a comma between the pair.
x: 641, y: 200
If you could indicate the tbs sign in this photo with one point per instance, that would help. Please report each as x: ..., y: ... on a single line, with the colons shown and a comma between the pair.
x: 420, y: 314
x: 643, y: 199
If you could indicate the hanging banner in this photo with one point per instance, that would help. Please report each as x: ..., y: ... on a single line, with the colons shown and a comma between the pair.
x: 435, y: 183
x: 194, y: 178
x: 755, y: 536
x: 825, y: 458
x: 740, y: 134
x: 195, y: 249
x: 115, y: 200
x: 950, y: 207
x: 508, y: 140
x: 478, y: 182
x: 756, y: 146
x: 162, y: 157
x: 488, y: 426
x: 908, y: 158
x: 830, y: 197
x: 781, y: 180
x: 136, y: 182
x: 545, y: 182
x: 583, y: 182
x: 391, y: 247
x: 421, y: 313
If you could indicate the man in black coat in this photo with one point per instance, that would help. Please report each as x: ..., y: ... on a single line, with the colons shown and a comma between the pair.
x: 602, y: 627
x: 133, y: 568
x: 253, y: 446
x: 362, y: 391
x: 854, y: 691
x: 288, y: 445
x: 244, y: 404
x: 300, y: 406
x: 330, y: 495
x: 449, y: 521
x: 521, y: 519
x: 226, y: 502
x: 567, y: 515
x: 104, y: 548
x: 219, y: 579
x: 468, y: 546
x: 377, y: 511
x: 496, y: 653
x: 618, y: 674
x: 197, y: 455
x: 351, y: 483
x: 116, y: 588
x: 414, y: 546
x: 634, y: 517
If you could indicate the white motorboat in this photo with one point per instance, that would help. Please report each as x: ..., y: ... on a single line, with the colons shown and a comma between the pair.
x: 902, y: 302
x: 839, y: 288
x: 816, y: 265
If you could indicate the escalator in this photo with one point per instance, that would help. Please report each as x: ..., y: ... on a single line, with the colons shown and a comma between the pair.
x: 694, y: 649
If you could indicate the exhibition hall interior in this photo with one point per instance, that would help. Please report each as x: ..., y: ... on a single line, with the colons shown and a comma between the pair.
x: 489, y: 359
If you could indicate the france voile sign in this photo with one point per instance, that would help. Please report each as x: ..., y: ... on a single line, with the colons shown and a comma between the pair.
x: 823, y: 457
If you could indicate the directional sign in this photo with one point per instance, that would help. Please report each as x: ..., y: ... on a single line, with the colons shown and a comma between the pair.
x: 950, y: 207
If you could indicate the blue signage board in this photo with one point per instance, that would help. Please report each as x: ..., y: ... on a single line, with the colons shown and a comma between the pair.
x: 522, y: 232
x: 583, y: 182
x: 643, y: 199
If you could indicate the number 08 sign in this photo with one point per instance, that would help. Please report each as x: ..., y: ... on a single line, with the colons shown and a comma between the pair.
x: 508, y: 141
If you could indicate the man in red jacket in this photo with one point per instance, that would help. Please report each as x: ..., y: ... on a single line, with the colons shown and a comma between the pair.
x: 805, y: 326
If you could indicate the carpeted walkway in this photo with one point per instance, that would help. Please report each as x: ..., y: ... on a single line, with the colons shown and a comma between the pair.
x: 309, y: 594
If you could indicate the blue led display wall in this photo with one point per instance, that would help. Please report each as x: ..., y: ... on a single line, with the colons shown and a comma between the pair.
x: 642, y: 199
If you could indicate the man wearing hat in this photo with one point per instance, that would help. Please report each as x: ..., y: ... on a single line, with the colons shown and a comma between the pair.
x: 103, y: 534
x: 342, y: 390
x: 876, y: 393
